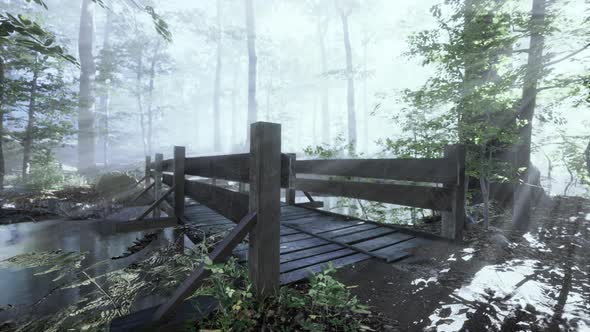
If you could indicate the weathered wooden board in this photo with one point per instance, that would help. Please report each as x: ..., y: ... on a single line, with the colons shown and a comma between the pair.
x: 313, y: 260
x: 326, y: 224
x: 234, y: 167
x: 364, y: 235
x: 294, y: 237
x: 346, y: 231
x: 296, y: 275
x: 383, y: 241
x: 419, y: 170
x: 309, y: 252
x: 230, y: 204
x: 417, y: 196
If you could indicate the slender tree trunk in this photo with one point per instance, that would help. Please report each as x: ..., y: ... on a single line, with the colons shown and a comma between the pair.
x: 28, y: 138
x: 217, y: 87
x: 138, y: 79
x: 322, y: 28
x: 104, y: 98
x: 352, y: 137
x: 150, y: 111
x: 252, y: 64
x: 523, y: 193
x: 365, y: 92
x: 2, y: 91
x: 86, y: 135
x: 234, y: 106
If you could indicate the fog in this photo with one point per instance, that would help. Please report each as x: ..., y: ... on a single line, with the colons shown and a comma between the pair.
x: 290, y: 78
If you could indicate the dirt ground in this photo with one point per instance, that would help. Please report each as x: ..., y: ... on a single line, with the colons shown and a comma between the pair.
x: 500, y: 280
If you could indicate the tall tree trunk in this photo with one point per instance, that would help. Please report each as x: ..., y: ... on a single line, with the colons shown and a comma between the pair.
x: 352, y: 137
x: 234, y: 106
x: 252, y: 63
x: 150, y: 111
x: 217, y: 87
x: 28, y: 138
x: 322, y: 29
x: 86, y: 154
x: 2, y: 92
x: 104, y: 99
x: 138, y: 79
x: 523, y: 193
x: 365, y: 92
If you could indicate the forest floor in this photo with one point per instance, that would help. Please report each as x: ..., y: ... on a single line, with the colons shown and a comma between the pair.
x: 501, y: 280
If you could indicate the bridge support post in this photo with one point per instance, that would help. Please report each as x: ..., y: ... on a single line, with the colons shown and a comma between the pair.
x: 148, y: 170
x: 290, y: 191
x: 453, y: 221
x: 179, y: 158
x: 265, y: 200
x: 158, y: 182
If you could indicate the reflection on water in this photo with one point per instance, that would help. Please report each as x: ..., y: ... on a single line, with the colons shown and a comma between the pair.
x: 21, y: 287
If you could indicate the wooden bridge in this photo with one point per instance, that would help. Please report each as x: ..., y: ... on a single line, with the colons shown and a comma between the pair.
x: 288, y: 241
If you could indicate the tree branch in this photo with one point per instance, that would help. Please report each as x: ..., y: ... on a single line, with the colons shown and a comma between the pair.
x: 567, y: 56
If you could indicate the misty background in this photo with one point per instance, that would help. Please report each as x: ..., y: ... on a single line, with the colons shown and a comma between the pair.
x: 178, y: 85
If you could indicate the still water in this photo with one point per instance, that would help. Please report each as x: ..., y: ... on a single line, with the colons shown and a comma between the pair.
x: 23, y: 293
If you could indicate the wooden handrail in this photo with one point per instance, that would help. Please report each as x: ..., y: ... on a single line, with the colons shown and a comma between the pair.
x: 221, y: 252
x: 156, y: 203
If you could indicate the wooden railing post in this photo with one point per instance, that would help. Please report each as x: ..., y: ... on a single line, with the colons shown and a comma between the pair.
x: 148, y: 169
x: 179, y: 158
x: 453, y: 222
x: 290, y: 191
x: 158, y: 182
x: 265, y: 200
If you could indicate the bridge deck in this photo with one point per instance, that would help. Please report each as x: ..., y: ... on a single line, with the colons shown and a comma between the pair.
x: 312, y: 238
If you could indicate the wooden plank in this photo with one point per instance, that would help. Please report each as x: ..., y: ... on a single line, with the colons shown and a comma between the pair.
x: 383, y: 241
x: 221, y: 252
x: 325, y: 224
x: 168, y: 179
x: 148, y: 170
x: 344, y: 244
x: 294, y: 237
x: 288, y: 231
x: 296, y: 275
x: 313, y: 205
x: 453, y: 221
x: 168, y: 165
x: 227, y: 203
x: 419, y: 170
x: 155, y: 205
x: 178, y: 182
x: 312, y: 242
x: 347, y: 230
x: 234, y: 167
x: 265, y: 200
x: 364, y: 235
x: 143, y: 192
x: 309, y: 261
x: 416, y: 196
x: 290, y: 166
x: 309, y: 252
x: 158, y: 185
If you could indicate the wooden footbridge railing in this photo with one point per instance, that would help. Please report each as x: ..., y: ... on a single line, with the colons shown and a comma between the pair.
x: 437, y: 184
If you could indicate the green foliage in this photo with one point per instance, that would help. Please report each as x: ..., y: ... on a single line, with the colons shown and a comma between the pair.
x: 46, y: 172
x: 326, y: 305
x: 340, y: 148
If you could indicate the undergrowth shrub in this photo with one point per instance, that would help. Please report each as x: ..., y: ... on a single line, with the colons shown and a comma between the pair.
x: 324, y: 304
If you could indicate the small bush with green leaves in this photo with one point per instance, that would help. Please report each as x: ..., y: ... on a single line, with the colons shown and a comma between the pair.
x: 323, y: 305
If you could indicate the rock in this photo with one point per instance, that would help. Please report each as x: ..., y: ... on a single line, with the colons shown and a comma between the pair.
x: 113, y: 183
x: 499, y: 241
